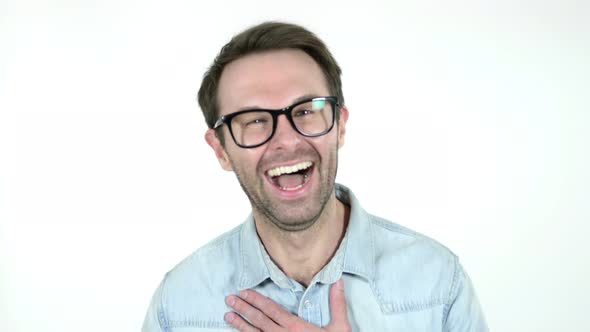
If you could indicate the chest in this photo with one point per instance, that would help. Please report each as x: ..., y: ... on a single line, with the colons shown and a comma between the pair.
x: 366, y: 306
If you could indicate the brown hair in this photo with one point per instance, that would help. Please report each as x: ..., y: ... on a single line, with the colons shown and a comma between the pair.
x: 266, y: 37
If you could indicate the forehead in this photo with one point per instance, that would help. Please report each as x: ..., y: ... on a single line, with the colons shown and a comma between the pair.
x: 272, y: 79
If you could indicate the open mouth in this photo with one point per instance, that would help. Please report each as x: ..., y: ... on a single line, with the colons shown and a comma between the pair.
x: 292, y: 177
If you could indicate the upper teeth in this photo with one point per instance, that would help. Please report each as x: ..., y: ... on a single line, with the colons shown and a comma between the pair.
x: 289, y: 169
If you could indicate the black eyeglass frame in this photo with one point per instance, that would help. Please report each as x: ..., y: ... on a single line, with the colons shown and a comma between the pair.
x: 226, y: 119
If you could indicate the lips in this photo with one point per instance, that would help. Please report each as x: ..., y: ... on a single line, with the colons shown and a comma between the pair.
x: 291, y: 177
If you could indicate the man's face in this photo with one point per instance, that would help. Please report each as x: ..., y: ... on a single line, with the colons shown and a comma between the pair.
x: 273, y: 80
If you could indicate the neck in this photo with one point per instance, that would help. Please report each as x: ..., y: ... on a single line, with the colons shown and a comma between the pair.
x: 302, y: 254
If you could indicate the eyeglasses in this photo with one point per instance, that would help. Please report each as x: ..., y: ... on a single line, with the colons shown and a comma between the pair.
x: 251, y: 128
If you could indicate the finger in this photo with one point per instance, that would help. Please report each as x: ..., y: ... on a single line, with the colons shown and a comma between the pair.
x: 256, y: 317
x: 239, y: 323
x: 339, y: 321
x: 270, y: 308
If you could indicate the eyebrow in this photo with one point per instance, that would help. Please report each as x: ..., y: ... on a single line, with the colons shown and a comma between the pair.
x: 295, y: 101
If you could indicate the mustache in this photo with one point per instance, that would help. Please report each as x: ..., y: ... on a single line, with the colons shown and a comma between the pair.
x: 283, y: 157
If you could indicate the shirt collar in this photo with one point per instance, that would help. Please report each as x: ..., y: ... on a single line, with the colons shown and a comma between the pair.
x: 253, y: 270
x: 355, y: 255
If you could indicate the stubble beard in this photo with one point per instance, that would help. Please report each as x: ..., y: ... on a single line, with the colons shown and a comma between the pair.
x: 262, y: 202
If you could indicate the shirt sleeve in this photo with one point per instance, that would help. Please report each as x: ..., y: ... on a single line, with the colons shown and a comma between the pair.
x: 151, y: 322
x: 463, y: 313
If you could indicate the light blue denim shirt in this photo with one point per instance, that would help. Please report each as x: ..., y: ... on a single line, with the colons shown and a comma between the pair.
x: 395, y: 280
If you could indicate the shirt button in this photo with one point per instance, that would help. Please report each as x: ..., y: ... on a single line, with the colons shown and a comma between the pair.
x: 307, y: 304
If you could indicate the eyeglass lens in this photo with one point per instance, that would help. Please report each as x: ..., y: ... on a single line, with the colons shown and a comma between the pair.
x: 311, y: 118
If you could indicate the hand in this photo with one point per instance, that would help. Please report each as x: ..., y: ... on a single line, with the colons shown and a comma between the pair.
x: 266, y: 315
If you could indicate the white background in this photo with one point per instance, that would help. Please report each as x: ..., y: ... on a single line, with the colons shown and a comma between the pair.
x: 469, y: 122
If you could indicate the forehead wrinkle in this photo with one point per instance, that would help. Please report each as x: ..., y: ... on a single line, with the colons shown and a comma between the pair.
x: 296, y: 100
x: 270, y: 80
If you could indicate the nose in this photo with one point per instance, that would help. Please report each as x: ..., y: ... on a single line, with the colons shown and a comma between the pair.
x: 285, y: 136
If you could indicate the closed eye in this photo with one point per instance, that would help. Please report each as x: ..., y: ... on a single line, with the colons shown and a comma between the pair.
x: 256, y: 121
x: 302, y: 112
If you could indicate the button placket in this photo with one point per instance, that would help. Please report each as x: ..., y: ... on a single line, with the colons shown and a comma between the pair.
x: 309, y: 308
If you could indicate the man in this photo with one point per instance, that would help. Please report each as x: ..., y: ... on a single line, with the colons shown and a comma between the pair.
x: 274, y: 105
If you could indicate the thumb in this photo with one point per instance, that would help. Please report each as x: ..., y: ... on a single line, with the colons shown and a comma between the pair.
x: 339, y: 321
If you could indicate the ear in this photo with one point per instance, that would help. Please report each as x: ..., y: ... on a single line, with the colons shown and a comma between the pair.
x: 342, y: 125
x: 215, y: 144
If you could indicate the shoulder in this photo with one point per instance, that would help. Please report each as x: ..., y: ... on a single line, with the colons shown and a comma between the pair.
x: 394, y: 238
x: 411, y: 270
x: 208, y: 269
x: 194, y: 290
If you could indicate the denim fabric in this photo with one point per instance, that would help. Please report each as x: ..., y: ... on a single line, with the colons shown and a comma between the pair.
x: 395, y: 280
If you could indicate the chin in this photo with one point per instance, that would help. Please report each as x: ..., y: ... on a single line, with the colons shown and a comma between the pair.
x: 291, y: 222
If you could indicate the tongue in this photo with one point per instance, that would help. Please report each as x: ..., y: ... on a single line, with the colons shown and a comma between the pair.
x: 290, y: 180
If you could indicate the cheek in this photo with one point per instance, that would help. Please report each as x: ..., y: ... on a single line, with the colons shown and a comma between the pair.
x: 246, y: 161
x: 328, y: 150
